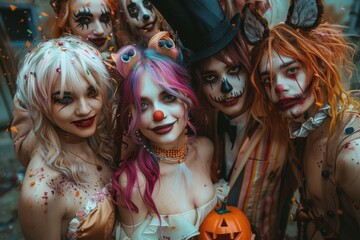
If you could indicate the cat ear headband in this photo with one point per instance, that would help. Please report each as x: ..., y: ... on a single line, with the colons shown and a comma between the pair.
x: 302, y: 15
x: 127, y: 57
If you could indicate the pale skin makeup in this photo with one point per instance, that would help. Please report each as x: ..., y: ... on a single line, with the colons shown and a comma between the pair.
x: 288, y: 87
x: 48, y: 200
x: 224, y: 86
x: 76, y: 111
x: 91, y: 20
x: 167, y: 131
x: 141, y: 17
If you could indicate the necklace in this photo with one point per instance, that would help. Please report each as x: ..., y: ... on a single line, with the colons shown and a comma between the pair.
x: 98, y: 167
x: 171, y: 156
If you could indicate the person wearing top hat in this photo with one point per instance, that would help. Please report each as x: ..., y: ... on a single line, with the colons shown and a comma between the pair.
x: 252, y: 158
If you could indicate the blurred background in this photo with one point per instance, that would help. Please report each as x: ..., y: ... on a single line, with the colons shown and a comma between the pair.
x: 23, y: 22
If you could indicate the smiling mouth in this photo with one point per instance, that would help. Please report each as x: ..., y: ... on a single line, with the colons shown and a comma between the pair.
x: 163, y: 129
x: 228, y: 100
x: 84, y: 123
x: 99, y: 42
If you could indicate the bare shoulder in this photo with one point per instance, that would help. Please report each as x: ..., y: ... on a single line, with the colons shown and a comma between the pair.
x: 127, y: 216
x: 41, y: 184
x: 40, y: 204
x: 202, y: 144
x: 204, y: 150
x: 140, y: 182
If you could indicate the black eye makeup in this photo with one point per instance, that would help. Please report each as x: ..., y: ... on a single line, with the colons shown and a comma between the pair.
x: 92, y: 92
x: 105, y: 17
x: 83, y: 18
x: 234, y: 71
x: 65, y: 99
x: 133, y: 10
x: 147, y: 4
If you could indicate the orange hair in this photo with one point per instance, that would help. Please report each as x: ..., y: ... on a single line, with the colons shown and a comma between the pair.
x: 324, y: 54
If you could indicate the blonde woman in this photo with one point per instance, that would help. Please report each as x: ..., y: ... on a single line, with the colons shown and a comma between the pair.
x: 65, y: 195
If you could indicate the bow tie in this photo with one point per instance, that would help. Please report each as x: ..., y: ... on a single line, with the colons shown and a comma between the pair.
x: 225, y: 126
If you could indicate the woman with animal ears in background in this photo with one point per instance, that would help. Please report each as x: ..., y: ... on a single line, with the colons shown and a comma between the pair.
x: 93, y: 21
x: 163, y: 187
x: 65, y: 193
x: 299, y: 69
x: 248, y: 155
x: 270, y: 9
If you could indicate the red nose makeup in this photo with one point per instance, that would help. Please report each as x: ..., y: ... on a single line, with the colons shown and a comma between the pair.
x: 158, y: 115
x: 279, y: 88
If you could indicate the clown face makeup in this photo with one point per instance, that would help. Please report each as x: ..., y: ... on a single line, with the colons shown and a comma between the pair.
x: 224, y: 86
x: 141, y: 17
x: 288, y: 87
x: 92, y: 22
x: 162, y: 119
x: 77, y: 111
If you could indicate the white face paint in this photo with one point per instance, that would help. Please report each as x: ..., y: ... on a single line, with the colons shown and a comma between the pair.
x: 141, y: 17
x: 288, y: 87
x: 164, y: 132
x: 224, y: 86
x: 77, y: 111
x: 91, y: 20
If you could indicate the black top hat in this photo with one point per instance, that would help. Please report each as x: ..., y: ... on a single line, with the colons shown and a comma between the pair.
x: 201, y: 25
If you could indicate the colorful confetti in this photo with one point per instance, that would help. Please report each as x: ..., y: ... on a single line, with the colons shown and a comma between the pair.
x: 44, y: 14
x: 28, y: 44
x: 14, y: 129
x: 12, y: 7
x: 32, y: 183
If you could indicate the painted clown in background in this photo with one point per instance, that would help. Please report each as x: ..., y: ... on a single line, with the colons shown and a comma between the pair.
x: 92, y: 22
x: 299, y: 67
x: 140, y: 21
x: 249, y: 156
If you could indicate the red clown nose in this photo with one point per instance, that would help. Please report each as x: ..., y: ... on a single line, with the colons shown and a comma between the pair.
x: 158, y: 115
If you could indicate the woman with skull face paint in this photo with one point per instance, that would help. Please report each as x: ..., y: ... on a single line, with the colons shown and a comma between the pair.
x: 252, y: 159
x: 298, y: 71
x: 164, y: 189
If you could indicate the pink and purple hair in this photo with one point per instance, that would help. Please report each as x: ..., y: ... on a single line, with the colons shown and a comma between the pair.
x: 173, y: 79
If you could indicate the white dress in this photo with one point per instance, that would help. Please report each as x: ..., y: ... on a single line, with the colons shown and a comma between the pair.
x: 180, y: 226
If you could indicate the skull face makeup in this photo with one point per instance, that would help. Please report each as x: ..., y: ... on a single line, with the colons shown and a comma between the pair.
x: 224, y: 86
x: 92, y: 22
x: 141, y: 17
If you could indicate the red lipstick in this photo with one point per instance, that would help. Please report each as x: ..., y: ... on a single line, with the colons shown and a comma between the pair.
x: 84, y: 123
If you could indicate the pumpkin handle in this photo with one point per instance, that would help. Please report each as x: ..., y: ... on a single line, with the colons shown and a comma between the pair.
x: 223, y: 209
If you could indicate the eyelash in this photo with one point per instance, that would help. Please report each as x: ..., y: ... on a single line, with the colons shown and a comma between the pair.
x: 62, y: 100
x: 168, y: 98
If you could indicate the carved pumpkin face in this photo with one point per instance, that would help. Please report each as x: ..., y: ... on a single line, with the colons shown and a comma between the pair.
x: 229, y: 224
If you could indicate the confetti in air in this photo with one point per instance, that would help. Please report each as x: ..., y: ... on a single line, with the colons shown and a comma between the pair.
x: 12, y: 7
